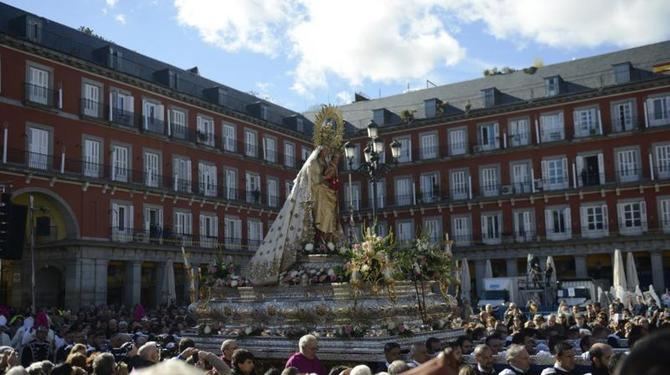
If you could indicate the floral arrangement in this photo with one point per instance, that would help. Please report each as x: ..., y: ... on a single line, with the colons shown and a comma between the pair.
x: 223, y: 274
x: 302, y: 275
x: 350, y: 331
x: 370, y: 264
x: 310, y: 247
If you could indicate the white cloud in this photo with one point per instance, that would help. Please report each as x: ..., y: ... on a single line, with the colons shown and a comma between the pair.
x: 120, y: 18
x: 111, y: 3
x: 238, y: 24
x: 571, y: 23
x: 344, y: 97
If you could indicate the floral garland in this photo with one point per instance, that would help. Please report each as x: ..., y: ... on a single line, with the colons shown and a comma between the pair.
x: 302, y: 275
x: 222, y: 274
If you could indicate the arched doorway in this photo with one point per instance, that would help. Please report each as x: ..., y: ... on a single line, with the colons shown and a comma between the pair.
x: 49, y: 287
x: 53, y: 217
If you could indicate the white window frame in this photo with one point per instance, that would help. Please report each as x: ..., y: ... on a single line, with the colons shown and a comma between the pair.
x: 458, y: 141
x: 489, y: 180
x: 519, y: 132
x: 152, y: 168
x: 405, y: 231
x: 231, y: 186
x: 428, y: 182
x: 664, y: 213
x: 207, y: 179
x: 658, y: 110
x: 209, y: 230
x: 552, y: 127
x: 459, y: 184
x: 147, y: 223
x: 92, y: 98
x: 355, y: 191
x: 229, y: 134
x: 381, y: 194
x: 403, y: 191
x: 272, y: 187
x: 626, y: 216
x: 122, y: 221
x: 628, y: 164
x: 183, y: 226
x: 591, y: 227
x: 587, y: 121
x: 250, y: 143
x: 39, y: 147
x: 178, y: 123
x: 522, y: 183
x: 405, y: 149
x: 551, y: 180
x: 289, y: 154
x: 254, y: 234
x: 40, y: 79
x: 580, y: 167
x: 623, y: 115
x: 205, y: 126
x: 270, y: 149
x: 121, y: 164
x: 92, y: 157
x: 432, y: 227
x: 182, y: 174
x: 550, y: 216
x: 662, y: 160
x: 524, y: 225
x: 461, y: 227
x: 252, y: 184
x: 232, y: 232
x: 488, y: 136
x: 356, y: 160
x: 152, y: 115
x: 429, y: 145
x: 491, y: 223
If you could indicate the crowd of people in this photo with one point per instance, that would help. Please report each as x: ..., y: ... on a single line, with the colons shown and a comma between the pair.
x: 574, y: 340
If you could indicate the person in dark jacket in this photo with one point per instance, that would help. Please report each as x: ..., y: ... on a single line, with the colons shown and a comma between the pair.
x: 243, y: 362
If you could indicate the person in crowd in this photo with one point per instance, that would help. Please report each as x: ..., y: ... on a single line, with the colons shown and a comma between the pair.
x: 518, y: 361
x: 466, y: 345
x: 418, y: 354
x: 391, y: 353
x: 228, y: 347
x: 397, y: 367
x: 38, y: 348
x: 600, y: 355
x: 362, y: 370
x: 650, y: 356
x: 433, y: 345
x: 243, y: 363
x: 564, y: 354
x: 305, y: 359
x: 495, y: 342
x: 484, y: 360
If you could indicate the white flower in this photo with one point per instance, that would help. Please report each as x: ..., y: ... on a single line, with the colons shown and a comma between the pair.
x: 309, y: 247
x: 248, y: 330
x: 331, y: 272
x: 343, y: 250
x: 331, y: 246
x: 207, y: 330
x: 365, y: 268
x: 233, y: 283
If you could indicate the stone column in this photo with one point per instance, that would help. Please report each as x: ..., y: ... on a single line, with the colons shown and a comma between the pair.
x: 72, y: 285
x: 657, y: 276
x: 133, y: 282
x: 580, y: 266
x: 512, y: 269
x: 161, y: 290
x: 480, y: 271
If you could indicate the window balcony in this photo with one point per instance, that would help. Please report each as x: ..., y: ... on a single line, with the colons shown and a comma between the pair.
x: 41, y: 95
x: 428, y: 153
x: 91, y: 109
x: 153, y: 125
x: 519, y: 139
x: 404, y: 199
x: 624, y: 124
x: 123, y: 118
x: 460, y: 193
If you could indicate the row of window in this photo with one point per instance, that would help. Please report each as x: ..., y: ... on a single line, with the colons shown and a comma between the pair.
x: 593, y: 223
x: 155, y: 118
x: 558, y: 173
x: 549, y: 128
x: 153, y: 230
x: 152, y: 175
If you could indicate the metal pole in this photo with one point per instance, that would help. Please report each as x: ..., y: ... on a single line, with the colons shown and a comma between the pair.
x: 32, y: 254
x: 374, y: 202
x: 351, y: 205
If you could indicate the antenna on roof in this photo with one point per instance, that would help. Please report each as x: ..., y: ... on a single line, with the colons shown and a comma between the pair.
x: 430, y: 83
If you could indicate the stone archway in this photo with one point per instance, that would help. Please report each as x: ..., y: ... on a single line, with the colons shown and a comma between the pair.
x: 69, y: 218
x: 49, y: 287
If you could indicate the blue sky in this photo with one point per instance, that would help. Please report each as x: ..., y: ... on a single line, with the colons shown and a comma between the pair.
x: 301, y: 53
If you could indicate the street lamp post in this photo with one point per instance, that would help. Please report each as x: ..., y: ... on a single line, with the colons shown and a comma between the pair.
x: 372, y: 166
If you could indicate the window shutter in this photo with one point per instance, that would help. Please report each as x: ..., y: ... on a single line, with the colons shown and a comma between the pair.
x: 643, y: 215
x: 545, y: 170
x: 606, y: 219
x: 620, y: 216
x: 188, y: 175
x: 568, y: 221
x: 580, y: 166
x: 484, y: 227
x: 115, y: 216
x: 583, y: 218
x: 131, y: 103
x: 131, y: 218
x: 601, y: 168
x: 203, y: 227
x: 575, y: 122
x: 566, y: 179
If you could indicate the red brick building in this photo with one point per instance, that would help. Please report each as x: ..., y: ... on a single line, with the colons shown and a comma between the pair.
x: 128, y: 159
x: 570, y: 160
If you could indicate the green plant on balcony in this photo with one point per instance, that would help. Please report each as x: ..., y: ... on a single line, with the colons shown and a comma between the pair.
x: 407, y: 115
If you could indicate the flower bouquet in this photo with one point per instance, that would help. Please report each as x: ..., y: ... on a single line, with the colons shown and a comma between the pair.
x: 370, y: 265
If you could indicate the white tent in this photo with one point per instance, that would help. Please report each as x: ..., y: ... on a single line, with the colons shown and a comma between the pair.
x: 631, y: 272
x: 465, y: 280
x: 488, y: 272
x: 550, y: 263
x: 619, y: 283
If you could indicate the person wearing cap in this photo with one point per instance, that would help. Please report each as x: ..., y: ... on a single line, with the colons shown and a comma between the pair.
x: 37, y: 349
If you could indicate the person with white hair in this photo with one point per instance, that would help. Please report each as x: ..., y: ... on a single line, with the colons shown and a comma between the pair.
x: 360, y: 370
x: 397, y: 367
x: 305, y: 360
x: 518, y: 361
x: 484, y: 360
x: 228, y: 347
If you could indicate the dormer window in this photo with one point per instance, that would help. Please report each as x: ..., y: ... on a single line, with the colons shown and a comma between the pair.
x: 264, y: 112
x: 300, y: 126
x: 622, y: 72
x: 34, y: 29
x: 552, y: 86
x: 489, y: 97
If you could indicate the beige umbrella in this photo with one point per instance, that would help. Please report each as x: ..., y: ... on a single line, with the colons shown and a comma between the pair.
x: 631, y: 272
x: 488, y: 272
x: 619, y: 277
x: 465, y: 280
x: 550, y: 263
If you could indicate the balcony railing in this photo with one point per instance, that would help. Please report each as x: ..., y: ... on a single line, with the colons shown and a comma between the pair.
x: 429, y: 152
x: 519, y: 139
x: 153, y: 125
x: 122, y: 117
x: 91, y: 108
x: 622, y: 124
x: 458, y: 148
x: 41, y: 95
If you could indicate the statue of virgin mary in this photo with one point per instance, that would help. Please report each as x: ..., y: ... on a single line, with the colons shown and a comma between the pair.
x: 310, y: 212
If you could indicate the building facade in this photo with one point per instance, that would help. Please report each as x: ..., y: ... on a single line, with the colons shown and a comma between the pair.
x: 128, y: 160
x: 570, y: 160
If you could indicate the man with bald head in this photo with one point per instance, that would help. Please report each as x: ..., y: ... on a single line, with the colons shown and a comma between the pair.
x: 600, y: 355
x: 484, y: 359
